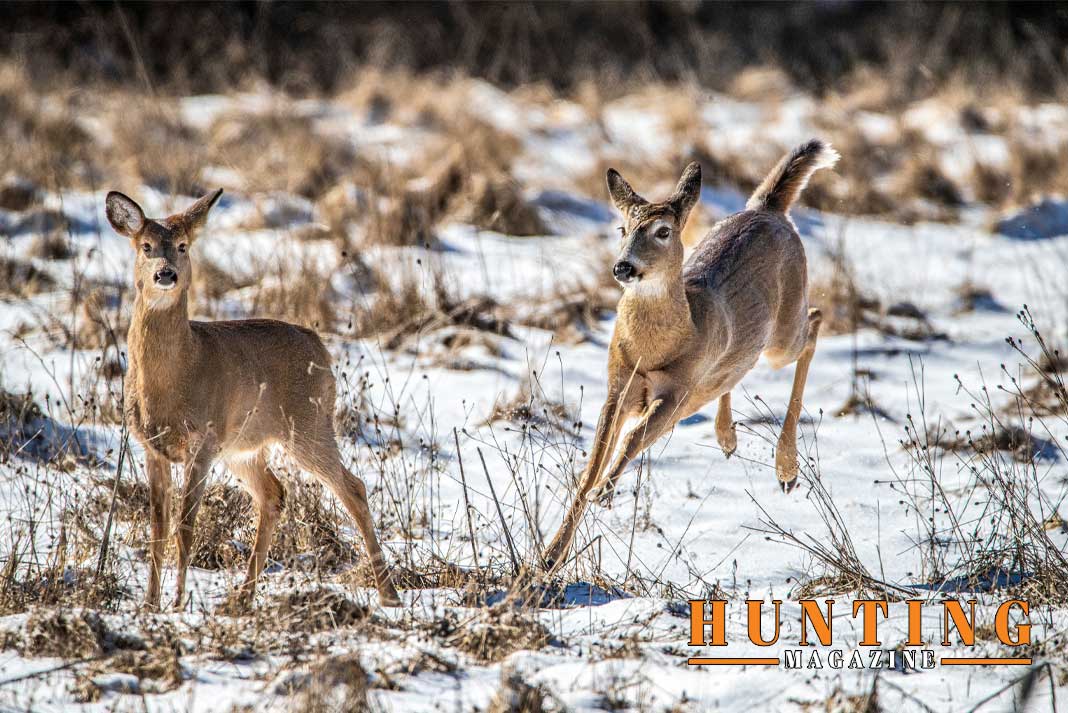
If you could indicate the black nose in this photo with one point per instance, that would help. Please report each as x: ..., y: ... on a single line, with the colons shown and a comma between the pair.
x: 623, y: 270
x: 166, y: 276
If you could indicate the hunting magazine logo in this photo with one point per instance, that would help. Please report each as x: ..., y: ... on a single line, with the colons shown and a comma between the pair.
x: 923, y: 647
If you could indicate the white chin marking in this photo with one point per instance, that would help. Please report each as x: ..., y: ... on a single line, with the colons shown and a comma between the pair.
x: 647, y: 287
x: 161, y: 298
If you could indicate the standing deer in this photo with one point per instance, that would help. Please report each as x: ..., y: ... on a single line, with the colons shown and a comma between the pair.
x: 687, y: 332
x: 200, y: 391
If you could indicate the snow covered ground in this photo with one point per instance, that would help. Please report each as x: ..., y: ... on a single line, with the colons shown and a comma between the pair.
x: 688, y: 523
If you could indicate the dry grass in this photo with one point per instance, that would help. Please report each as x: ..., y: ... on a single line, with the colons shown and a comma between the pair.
x: 153, y: 658
x: 413, y: 207
x: 300, y: 294
x: 403, y: 298
x: 336, y: 684
x: 309, y: 535
x: 845, y: 307
x: 103, y: 322
x: 573, y: 316
x: 517, y: 696
x: 211, y: 284
x: 496, y: 202
x: 60, y: 633
x: 1015, y: 440
x: 316, y: 609
x: 530, y: 407
x: 281, y: 151
x: 498, y: 632
x: 225, y: 526
x: 157, y: 150
x: 22, y: 279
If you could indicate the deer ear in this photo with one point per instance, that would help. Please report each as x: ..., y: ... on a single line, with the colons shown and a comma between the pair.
x: 623, y: 196
x: 125, y: 216
x: 194, y: 217
x: 687, y: 192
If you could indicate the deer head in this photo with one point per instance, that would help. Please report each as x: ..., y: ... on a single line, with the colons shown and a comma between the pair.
x: 652, y: 250
x: 162, y: 271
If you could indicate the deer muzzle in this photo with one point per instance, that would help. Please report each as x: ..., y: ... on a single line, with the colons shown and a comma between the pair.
x: 625, y: 272
x: 165, y: 278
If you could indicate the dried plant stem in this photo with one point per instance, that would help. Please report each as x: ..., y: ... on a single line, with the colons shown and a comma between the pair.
x: 500, y: 514
x: 467, y: 502
x: 105, y: 540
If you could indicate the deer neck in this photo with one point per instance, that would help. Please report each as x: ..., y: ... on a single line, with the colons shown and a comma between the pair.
x: 654, y: 323
x: 160, y: 341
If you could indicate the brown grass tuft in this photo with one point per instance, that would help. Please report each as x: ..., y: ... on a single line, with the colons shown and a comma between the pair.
x: 51, y: 246
x: 573, y: 315
x: 497, y: 203
x: 408, y: 210
x: 301, y: 295
x: 65, y: 634
x: 22, y: 279
x: 517, y: 696
x: 316, y: 609
x: 309, y: 533
x: 337, y: 684
x: 281, y: 151
x: 500, y: 631
x: 103, y: 322
x: 224, y: 528
x: 924, y: 178
x: 1017, y: 441
x: 529, y: 407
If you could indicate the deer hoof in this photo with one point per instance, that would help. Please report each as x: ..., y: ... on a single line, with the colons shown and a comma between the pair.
x: 728, y: 442
x: 606, y: 496
x: 551, y: 558
x: 786, y: 467
x: 390, y: 598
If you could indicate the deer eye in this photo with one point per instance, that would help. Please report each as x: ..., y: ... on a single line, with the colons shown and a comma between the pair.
x: 181, y: 247
x: 146, y: 248
x: 663, y: 233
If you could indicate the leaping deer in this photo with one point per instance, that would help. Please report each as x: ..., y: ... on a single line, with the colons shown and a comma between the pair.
x: 200, y: 391
x: 687, y: 332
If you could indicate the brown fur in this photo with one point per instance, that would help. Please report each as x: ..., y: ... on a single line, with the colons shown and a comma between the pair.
x: 686, y: 333
x: 200, y: 391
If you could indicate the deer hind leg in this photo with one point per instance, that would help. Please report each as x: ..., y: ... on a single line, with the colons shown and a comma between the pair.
x: 726, y: 433
x: 197, y: 468
x: 786, y: 467
x: 159, y: 503
x: 614, y: 413
x: 268, y: 494
x: 322, y: 459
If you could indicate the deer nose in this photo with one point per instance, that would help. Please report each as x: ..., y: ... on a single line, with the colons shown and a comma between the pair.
x: 624, y: 271
x: 166, y: 277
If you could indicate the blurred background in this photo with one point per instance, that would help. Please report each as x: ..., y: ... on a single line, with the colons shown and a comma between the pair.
x: 870, y: 63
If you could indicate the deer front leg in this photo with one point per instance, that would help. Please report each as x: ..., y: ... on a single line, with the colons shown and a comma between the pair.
x: 609, y: 426
x: 159, y: 505
x: 657, y: 419
x: 197, y: 467
x: 726, y: 434
x: 786, y: 467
